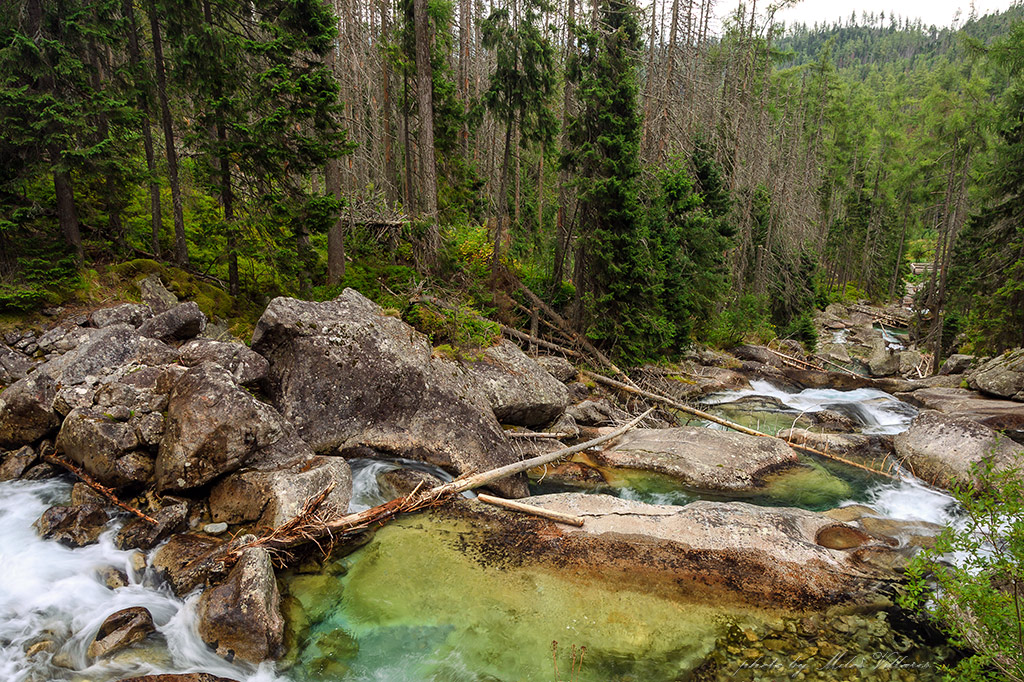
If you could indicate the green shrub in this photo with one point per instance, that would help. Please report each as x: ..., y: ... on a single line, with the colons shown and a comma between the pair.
x: 977, y: 599
x: 743, y: 319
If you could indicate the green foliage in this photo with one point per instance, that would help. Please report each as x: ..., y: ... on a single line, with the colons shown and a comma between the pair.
x: 802, y: 329
x: 745, y: 318
x: 461, y: 330
x: 977, y: 598
x: 620, y: 285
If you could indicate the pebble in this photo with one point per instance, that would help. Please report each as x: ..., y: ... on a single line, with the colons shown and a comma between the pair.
x: 215, y: 528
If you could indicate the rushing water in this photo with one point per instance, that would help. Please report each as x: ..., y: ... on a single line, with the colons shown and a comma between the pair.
x: 410, y: 605
x: 51, y: 593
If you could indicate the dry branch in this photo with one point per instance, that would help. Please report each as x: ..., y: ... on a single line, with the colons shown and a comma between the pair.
x: 724, y: 422
x: 531, y: 509
x: 309, y: 528
x: 101, y: 489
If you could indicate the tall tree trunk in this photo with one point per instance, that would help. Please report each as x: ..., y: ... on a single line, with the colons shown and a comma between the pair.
x: 180, y: 245
x: 135, y: 60
x: 67, y: 213
x: 336, y: 234
x: 390, y: 166
x: 562, y: 229
x: 425, y: 99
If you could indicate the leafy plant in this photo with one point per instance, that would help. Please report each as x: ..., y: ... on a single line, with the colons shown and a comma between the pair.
x: 977, y: 598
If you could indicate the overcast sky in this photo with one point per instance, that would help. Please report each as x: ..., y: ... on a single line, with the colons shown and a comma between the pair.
x: 938, y: 12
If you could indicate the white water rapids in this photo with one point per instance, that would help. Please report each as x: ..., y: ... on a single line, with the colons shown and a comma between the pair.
x: 51, y: 593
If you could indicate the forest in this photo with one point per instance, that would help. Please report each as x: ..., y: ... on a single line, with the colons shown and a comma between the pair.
x: 656, y: 177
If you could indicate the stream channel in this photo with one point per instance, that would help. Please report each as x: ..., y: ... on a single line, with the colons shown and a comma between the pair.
x: 408, y: 606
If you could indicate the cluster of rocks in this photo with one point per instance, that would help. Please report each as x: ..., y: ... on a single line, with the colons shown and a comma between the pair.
x: 206, y: 435
x: 202, y: 434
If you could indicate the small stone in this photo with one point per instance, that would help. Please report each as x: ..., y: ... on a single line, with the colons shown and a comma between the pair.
x: 138, y: 561
x: 120, y: 630
x: 215, y: 528
x: 46, y: 646
x: 752, y: 653
x: 113, y: 578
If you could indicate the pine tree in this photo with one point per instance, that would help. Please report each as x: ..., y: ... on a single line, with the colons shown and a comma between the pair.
x: 617, y: 283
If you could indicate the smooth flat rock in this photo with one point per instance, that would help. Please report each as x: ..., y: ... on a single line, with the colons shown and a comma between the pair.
x: 701, y: 458
x: 712, y: 551
x: 1001, y: 415
x: 940, y: 448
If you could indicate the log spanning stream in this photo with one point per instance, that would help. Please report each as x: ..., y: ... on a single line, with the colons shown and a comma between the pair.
x: 408, y: 606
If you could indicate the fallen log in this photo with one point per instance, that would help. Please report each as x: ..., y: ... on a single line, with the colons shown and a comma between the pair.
x: 309, y: 527
x: 532, y: 510
x: 101, y: 489
x: 724, y: 422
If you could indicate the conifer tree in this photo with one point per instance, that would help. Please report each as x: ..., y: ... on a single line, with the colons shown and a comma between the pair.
x: 617, y: 283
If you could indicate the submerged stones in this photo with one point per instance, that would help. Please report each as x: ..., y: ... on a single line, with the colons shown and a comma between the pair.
x: 354, y: 380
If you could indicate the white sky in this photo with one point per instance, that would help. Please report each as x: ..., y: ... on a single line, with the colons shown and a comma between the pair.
x: 937, y: 12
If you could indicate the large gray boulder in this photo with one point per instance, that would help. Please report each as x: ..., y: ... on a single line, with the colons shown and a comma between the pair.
x: 956, y: 363
x: 715, y: 552
x: 241, y: 618
x: 519, y: 390
x: 106, y: 448
x: 213, y: 426
x: 181, y: 322
x: 13, y: 365
x: 1001, y: 415
x: 26, y: 410
x: 354, y: 380
x: 1002, y: 376
x: 940, y: 448
x: 882, y: 362
x: 273, y: 495
x: 97, y: 352
x: 700, y: 458
x: 132, y: 314
x: 246, y: 366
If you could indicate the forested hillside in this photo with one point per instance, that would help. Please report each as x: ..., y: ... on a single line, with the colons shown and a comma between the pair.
x: 656, y: 183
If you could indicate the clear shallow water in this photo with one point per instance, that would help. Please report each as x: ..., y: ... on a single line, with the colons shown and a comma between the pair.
x: 50, y: 592
x: 411, y: 605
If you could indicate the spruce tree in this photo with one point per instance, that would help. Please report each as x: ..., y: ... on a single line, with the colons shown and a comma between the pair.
x: 616, y: 274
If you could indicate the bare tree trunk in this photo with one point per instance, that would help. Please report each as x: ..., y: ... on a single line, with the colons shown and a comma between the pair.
x: 67, y: 213
x: 336, y: 235
x: 180, y: 245
x: 425, y: 98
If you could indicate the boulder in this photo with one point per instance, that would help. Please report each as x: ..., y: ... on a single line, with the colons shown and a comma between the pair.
x: 188, y: 561
x: 1002, y: 376
x: 213, y: 426
x: 106, y: 448
x: 120, y: 630
x: 882, y: 362
x: 518, y: 389
x: 75, y: 526
x: 1001, y: 415
x: 181, y: 322
x: 941, y: 448
x: 156, y: 295
x: 26, y: 410
x: 712, y: 552
x: 13, y: 365
x: 355, y: 380
x: 275, y: 495
x: 246, y: 366
x: 558, y: 367
x: 17, y: 462
x: 757, y: 354
x: 870, y: 450
x: 137, y: 533
x: 956, y: 364
x: 241, y: 618
x: 132, y: 314
x: 700, y: 458
x: 595, y: 413
x: 910, y: 362
x: 97, y: 353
